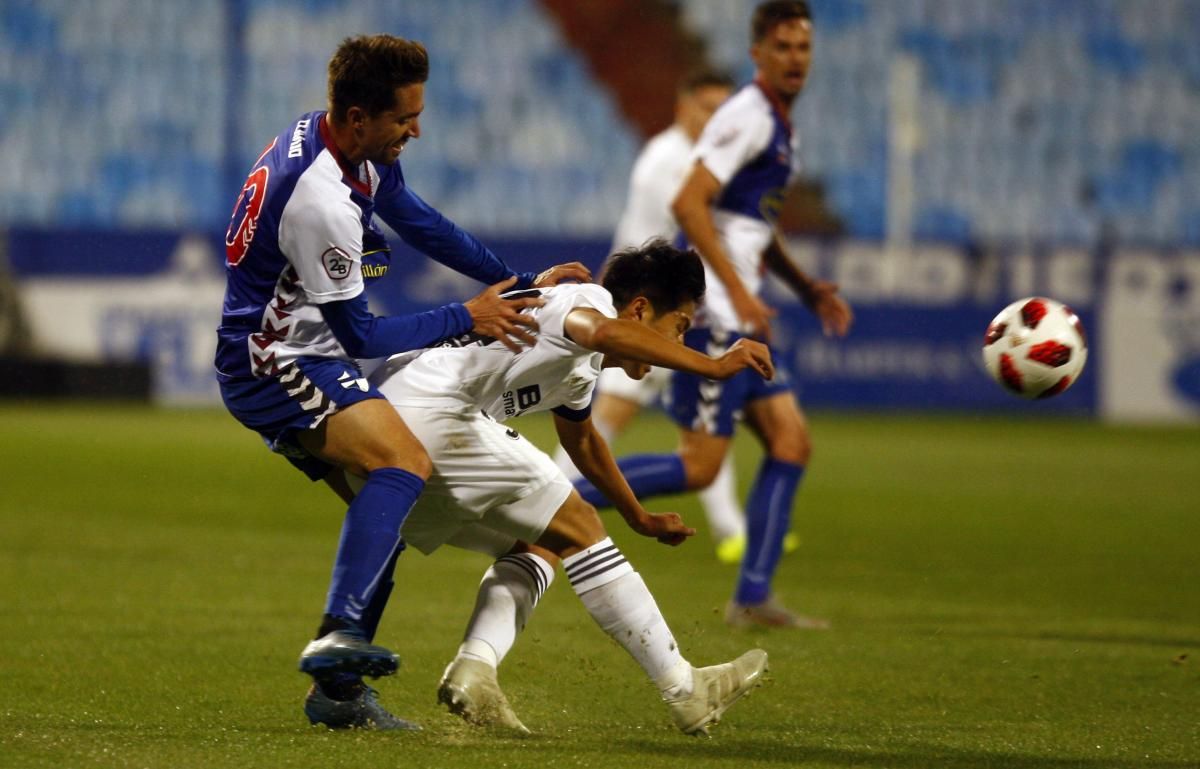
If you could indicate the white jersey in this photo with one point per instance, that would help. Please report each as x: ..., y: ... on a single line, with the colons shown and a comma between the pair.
x: 483, y: 374
x: 658, y: 174
x: 752, y: 151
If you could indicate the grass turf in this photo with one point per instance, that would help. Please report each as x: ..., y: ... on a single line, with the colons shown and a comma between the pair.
x: 1004, y: 594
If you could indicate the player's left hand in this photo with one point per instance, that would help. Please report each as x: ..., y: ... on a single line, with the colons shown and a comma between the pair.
x: 833, y: 311
x: 667, y: 528
x: 562, y: 273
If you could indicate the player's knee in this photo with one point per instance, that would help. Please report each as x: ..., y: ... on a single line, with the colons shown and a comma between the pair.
x: 792, y: 446
x: 575, y: 527
x: 700, y: 471
x: 408, y: 455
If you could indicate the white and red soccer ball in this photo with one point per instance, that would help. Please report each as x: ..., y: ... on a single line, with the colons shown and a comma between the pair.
x: 1035, y: 347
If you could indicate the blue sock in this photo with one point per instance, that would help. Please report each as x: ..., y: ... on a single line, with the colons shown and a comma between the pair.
x: 768, y: 516
x: 374, y: 611
x: 648, y: 475
x: 370, y: 535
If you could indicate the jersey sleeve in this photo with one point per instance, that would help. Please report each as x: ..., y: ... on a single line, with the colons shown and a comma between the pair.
x: 424, y: 228
x: 732, y: 138
x: 573, y: 296
x: 320, y: 233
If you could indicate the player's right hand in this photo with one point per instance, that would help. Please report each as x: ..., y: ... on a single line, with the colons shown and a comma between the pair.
x: 746, y: 354
x: 754, y: 313
x: 501, y: 318
x: 667, y: 528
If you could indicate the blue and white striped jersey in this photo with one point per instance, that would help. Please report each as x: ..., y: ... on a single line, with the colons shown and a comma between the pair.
x: 303, y: 235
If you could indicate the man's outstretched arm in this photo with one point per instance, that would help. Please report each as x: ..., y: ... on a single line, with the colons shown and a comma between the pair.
x: 591, y: 455
x: 630, y: 339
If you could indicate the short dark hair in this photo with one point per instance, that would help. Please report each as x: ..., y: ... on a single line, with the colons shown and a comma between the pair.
x: 704, y: 78
x: 665, y: 275
x: 365, y: 72
x: 770, y: 14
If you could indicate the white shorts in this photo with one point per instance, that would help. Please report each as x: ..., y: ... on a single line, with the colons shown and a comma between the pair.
x: 643, y: 392
x: 489, y: 487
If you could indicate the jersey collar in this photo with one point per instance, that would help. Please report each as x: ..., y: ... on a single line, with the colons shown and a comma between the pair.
x: 349, y: 172
x: 776, y: 102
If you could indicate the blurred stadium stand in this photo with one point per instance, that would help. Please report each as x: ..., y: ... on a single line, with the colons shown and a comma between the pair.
x: 1044, y: 120
x: 1071, y: 120
x: 1054, y: 150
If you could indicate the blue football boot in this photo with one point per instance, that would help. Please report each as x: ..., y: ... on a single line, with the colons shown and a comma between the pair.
x: 362, y: 712
x: 347, y: 651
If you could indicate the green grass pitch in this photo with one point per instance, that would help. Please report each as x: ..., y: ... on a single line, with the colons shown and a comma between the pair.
x: 1004, y: 593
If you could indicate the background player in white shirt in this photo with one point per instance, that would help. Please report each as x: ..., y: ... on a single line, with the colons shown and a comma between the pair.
x: 657, y: 175
x: 491, y: 490
x: 727, y: 209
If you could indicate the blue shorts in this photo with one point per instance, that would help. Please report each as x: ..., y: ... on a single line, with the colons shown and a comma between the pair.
x: 711, y: 406
x: 297, y: 397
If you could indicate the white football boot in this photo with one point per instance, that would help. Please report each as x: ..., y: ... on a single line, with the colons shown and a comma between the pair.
x: 714, y: 689
x: 470, y: 689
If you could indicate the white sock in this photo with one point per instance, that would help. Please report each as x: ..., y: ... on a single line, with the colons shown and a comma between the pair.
x: 617, y: 598
x: 725, y: 515
x: 509, y: 591
x: 564, y: 462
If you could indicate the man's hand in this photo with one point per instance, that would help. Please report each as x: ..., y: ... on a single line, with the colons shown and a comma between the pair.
x: 667, y: 528
x: 501, y: 318
x: 833, y: 311
x: 754, y: 313
x: 746, y: 354
x: 560, y: 273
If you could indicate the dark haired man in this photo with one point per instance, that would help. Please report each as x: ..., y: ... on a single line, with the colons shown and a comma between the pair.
x: 492, y: 491
x: 301, y: 244
x: 727, y: 209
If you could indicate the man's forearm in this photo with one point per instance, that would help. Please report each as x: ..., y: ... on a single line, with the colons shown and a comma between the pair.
x: 596, y: 463
x: 777, y: 261
x: 632, y: 340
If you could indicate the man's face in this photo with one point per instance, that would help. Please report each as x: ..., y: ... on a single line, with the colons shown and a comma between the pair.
x: 694, y: 109
x: 784, y: 55
x: 671, y: 326
x: 382, y: 137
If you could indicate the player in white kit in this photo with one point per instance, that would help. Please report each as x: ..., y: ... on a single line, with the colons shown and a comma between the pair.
x: 727, y: 208
x: 657, y: 175
x: 492, y: 491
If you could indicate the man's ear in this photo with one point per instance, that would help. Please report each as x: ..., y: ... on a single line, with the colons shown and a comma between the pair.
x: 640, y: 306
x: 356, y: 116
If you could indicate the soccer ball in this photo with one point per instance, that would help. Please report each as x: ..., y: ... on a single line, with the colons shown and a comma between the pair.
x: 1035, y: 347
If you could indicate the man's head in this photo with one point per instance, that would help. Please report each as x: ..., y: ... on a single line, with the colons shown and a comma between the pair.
x: 377, y: 91
x: 657, y: 285
x: 781, y: 45
x: 698, y: 97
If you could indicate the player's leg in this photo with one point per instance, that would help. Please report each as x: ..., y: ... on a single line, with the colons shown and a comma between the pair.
x: 617, y: 598
x: 508, y: 593
x: 370, y: 441
x: 781, y: 426
x: 726, y: 519
x: 290, y: 409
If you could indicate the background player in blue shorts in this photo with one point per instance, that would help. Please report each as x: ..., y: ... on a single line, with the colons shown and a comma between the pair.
x: 300, y: 245
x: 727, y: 209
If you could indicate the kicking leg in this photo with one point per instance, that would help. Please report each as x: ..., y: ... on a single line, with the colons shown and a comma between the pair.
x: 621, y: 604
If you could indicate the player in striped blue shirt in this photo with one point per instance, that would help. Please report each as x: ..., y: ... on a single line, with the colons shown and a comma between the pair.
x: 301, y: 245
